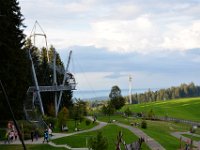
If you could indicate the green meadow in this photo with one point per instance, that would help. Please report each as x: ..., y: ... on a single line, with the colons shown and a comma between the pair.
x: 186, y: 108
x: 158, y: 130
x: 110, y: 132
x: 80, y: 125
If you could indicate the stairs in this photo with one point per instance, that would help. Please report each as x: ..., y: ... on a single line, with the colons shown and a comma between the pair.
x: 31, y: 111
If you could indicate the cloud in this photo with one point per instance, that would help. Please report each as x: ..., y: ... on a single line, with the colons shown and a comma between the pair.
x: 91, y: 59
x: 126, y: 35
x: 115, y: 75
x: 182, y: 37
x: 157, y: 42
x: 120, y: 26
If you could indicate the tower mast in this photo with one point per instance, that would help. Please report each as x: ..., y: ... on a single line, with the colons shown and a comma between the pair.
x: 130, y: 89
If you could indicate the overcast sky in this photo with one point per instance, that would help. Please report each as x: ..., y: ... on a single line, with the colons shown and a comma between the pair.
x: 155, y: 41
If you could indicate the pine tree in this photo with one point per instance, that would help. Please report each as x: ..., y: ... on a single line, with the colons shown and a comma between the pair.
x: 14, y: 70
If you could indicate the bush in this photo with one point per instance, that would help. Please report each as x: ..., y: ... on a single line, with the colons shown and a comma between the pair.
x: 139, y: 115
x: 87, y: 122
x: 98, y: 143
x: 144, y: 124
x: 192, y: 130
x: 2, y: 134
x: 128, y: 112
x: 151, y: 114
x: 62, y: 117
x: 50, y: 120
x: 26, y: 128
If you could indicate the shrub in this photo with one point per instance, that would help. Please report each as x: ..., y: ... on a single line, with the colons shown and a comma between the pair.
x: 192, y: 130
x: 139, y: 114
x: 26, y: 128
x: 98, y: 143
x: 128, y: 112
x: 50, y: 120
x: 151, y: 114
x: 87, y: 122
x: 2, y: 134
x: 62, y: 117
x: 143, y: 124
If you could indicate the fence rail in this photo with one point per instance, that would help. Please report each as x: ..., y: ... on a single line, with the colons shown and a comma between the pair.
x: 193, y: 123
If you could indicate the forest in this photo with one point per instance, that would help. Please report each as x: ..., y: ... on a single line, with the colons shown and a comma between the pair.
x: 182, y: 91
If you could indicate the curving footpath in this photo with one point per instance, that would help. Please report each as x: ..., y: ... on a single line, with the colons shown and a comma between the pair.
x: 185, y: 139
x: 154, y: 145
x: 60, y: 135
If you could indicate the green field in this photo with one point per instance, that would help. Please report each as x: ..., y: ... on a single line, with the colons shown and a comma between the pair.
x: 187, y: 108
x: 110, y: 132
x: 80, y: 125
x: 158, y: 130
x: 119, y: 118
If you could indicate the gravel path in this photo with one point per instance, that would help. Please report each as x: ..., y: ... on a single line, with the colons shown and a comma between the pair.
x: 154, y: 145
x: 185, y: 139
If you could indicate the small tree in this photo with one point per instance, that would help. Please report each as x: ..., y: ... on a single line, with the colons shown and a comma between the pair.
x: 79, y: 110
x: 127, y: 111
x: 108, y: 109
x: 62, y: 117
x: 143, y: 124
x: 87, y: 122
x: 98, y: 143
x: 151, y: 114
x: 116, y: 98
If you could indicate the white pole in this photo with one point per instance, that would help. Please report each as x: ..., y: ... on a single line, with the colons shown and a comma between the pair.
x: 130, y: 89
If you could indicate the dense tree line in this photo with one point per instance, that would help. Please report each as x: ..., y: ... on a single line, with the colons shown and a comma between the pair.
x: 182, y: 91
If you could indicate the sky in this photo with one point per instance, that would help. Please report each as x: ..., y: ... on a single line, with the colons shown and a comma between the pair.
x: 157, y: 42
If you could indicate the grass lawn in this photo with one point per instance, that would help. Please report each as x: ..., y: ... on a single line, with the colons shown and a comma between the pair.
x: 119, y: 118
x: 195, y: 138
x: 110, y: 132
x: 80, y: 125
x: 185, y: 108
x: 30, y: 147
x: 158, y: 130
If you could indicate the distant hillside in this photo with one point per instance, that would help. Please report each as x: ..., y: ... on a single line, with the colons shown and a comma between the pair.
x: 185, y: 108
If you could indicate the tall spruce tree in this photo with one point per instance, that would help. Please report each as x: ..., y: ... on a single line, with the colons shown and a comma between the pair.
x: 14, y: 70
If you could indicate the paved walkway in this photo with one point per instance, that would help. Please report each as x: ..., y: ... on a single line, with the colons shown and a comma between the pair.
x: 185, y: 139
x: 154, y: 145
x: 60, y: 135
